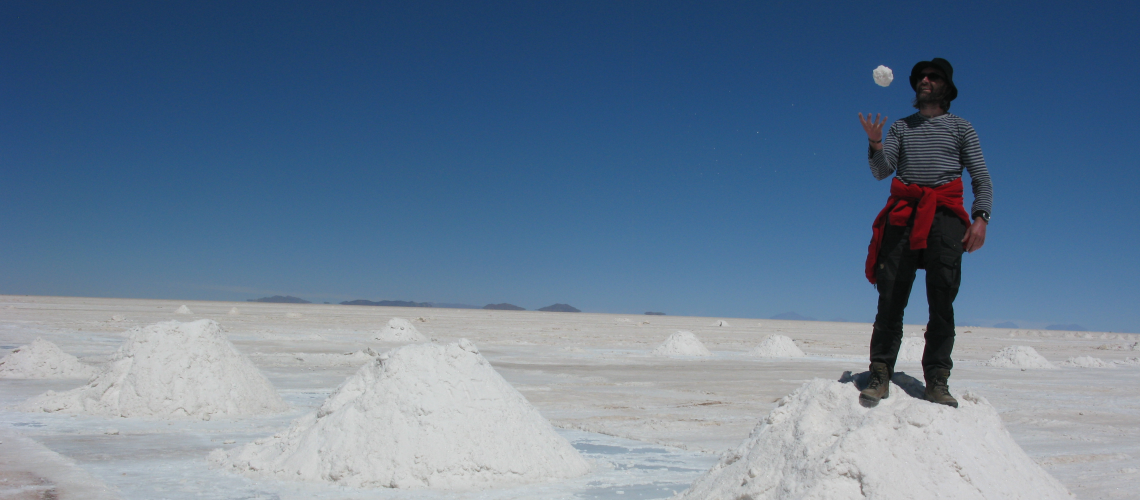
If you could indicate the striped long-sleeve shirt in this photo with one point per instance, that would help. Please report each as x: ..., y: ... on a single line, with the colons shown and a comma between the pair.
x: 933, y: 151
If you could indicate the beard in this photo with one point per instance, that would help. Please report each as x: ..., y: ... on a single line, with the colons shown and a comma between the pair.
x: 937, y: 97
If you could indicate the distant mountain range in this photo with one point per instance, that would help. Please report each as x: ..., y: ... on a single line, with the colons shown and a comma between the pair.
x: 563, y: 308
x: 281, y: 299
x: 504, y: 307
x: 651, y: 313
x: 389, y: 303
x: 792, y: 316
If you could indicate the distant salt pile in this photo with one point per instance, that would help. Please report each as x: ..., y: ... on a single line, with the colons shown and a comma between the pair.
x: 820, y: 443
x: 1019, y: 356
x: 399, y: 330
x: 720, y: 322
x: 911, y: 349
x: 1087, y: 362
x: 1129, y: 362
x: 777, y: 346
x: 118, y: 317
x: 294, y: 315
x: 182, y: 309
x: 682, y: 343
x: 43, y: 359
x: 234, y: 311
x: 423, y: 415
x: 170, y: 369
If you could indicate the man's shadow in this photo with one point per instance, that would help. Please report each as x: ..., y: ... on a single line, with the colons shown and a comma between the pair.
x: 915, y: 388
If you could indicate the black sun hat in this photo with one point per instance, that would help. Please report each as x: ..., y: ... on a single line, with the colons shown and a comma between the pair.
x: 939, y: 64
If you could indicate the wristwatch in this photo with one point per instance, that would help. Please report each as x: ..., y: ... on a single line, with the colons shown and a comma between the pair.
x: 982, y: 214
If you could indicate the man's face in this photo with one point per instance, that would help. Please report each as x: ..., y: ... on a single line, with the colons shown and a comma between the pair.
x: 931, y: 83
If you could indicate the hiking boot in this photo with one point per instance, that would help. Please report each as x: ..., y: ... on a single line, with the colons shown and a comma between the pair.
x: 878, y: 388
x: 937, y: 389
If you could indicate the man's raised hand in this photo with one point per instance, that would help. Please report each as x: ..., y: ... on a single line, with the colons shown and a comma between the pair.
x: 873, y: 127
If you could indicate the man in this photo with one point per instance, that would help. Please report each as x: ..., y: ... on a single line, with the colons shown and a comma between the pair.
x: 923, y: 226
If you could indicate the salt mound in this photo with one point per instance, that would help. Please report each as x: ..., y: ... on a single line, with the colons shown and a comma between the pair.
x: 720, y: 322
x: 682, y: 343
x: 883, y: 75
x: 423, y: 415
x: 170, y: 369
x: 182, y: 309
x: 912, y: 349
x: 294, y: 315
x: 777, y: 346
x: 820, y: 443
x: 1019, y: 356
x: 43, y: 359
x: 399, y: 330
x: 1087, y: 362
x: 233, y: 311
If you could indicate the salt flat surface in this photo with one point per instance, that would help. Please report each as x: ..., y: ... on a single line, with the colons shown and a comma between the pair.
x: 652, y: 424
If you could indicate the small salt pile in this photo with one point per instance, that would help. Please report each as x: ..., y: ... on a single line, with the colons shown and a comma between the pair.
x: 911, y: 349
x: 399, y: 330
x: 1019, y: 356
x: 234, y: 311
x: 820, y: 443
x: 182, y: 309
x: 720, y: 322
x: 169, y: 370
x: 43, y: 359
x: 682, y: 343
x: 423, y: 415
x: 777, y: 346
x: 1087, y: 362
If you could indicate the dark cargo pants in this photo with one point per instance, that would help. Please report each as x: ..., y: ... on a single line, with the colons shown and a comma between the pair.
x: 894, y: 276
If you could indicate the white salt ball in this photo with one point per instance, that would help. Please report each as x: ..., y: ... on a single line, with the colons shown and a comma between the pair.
x: 883, y: 75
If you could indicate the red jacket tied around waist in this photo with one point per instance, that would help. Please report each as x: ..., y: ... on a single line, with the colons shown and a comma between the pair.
x: 917, y: 201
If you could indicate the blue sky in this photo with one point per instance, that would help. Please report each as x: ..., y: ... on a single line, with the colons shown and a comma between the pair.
x: 617, y: 156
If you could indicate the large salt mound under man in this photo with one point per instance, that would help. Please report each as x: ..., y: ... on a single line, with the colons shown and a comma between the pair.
x: 423, y: 415
x: 682, y: 343
x: 820, y: 443
x: 399, y: 330
x: 1020, y: 356
x: 777, y: 346
x: 43, y: 359
x: 170, y: 370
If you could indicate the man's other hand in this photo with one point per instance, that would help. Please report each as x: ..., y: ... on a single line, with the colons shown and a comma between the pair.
x: 975, y: 235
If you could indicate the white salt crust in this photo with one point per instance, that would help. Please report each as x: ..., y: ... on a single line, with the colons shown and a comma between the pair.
x: 820, y: 443
x: 1020, y: 356
x: 170, y: 370
x: 682, y: 343
x: 43, y: 359
x: 777, y: 346
x: 182, y: 309
x: 420, y: 416
x: 399, y: 330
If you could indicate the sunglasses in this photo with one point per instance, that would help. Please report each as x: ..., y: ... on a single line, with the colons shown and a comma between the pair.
x: 934, y: 77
